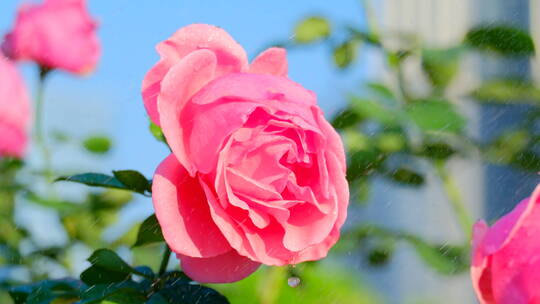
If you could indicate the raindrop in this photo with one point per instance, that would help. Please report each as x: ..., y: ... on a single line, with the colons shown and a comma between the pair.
x: 293, y: 281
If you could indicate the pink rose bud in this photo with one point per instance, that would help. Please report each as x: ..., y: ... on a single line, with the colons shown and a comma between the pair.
x: 256, y: 175
x: 506, y: 257
x: 57, y: 34
x: 14, y: 111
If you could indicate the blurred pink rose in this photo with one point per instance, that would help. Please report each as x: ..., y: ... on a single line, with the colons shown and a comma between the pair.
x: 14, y: 111
x: 57, y: 34
x: 506, y: 257
x: 256, y: 174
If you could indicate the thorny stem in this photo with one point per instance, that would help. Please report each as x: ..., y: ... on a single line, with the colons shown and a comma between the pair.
x: 164, y: 260
x: 455, y: 199
x: 39, y: 129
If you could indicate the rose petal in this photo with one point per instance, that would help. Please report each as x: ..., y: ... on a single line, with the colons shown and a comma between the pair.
x: 226, y: 268
x: 502, y: 231
x: 182, y: 81
x: 183, y: 214
x: 307, y: 226
x: 13, y: 142
x: 332, y: 138
x: 230, y: 56
x: 225, y: 104
x: 341, y: 187
x: 15, y: 113
x: 272, y: 61
x: 258, y: 88
x: 481, y: 278
x: 245, y: 241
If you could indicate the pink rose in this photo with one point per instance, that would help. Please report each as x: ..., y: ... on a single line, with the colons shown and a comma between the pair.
x: 506, y: 257
x: 57, y: 34
x: 256, y: 174
x: 14, y: 111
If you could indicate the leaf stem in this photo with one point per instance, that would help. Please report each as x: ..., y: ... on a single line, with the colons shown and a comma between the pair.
x: 371, y: 17
x: 455, y: 199
x: 164, y: 260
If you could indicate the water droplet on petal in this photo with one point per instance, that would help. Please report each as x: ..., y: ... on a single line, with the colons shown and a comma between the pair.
x: 293, y: 281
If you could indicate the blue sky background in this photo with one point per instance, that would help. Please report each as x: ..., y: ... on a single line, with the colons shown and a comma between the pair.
x: 109, y: 100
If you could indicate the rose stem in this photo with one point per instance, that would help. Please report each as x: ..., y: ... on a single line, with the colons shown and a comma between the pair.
x: 164, y: 260
x: 455, y: 199
x: 39, y: 129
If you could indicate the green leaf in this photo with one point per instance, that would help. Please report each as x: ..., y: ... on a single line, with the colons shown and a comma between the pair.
x: 381, y: 90
x: 178, y: 289
x: 364, y: 162
x: 505, y: 148
x: 19, y: 294
x: 361, y: 190
x: 435, y: 115
x: 125, y: 296
x: 149, y: 232
x: 395, y: 59
x: 8, y: 254
x: 346, y: 118
x: 10, y: 164
x: 501, y: 39
x: 379, y: 256
x: 445, y: 259
x: 124, y: 292
x: 437, y: 151
x: 192, y: 294
x: 109, y: 260
x: 156, y: 132
x: 390, y: 142
x: 133, y: 180
x: 407, y: 177
x: 157, y: 299
x: 345, y: 53
x: 441, y: 65
x: 146, y: 270
x: 355, y: 140
x: 376, y: 111
x: 527, y: 160
x: 126, y: 180
x: 94, y: 180
x: 507, y: 91
x: 94, y: 275
x: 46, y: 291
x: 97, y: 144
x: 367, y: 37
x: 312, y: 29
x: 107, y: 267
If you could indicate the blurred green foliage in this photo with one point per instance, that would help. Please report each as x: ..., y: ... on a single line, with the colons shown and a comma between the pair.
x: 319, y: 284
x: 392, y: 130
